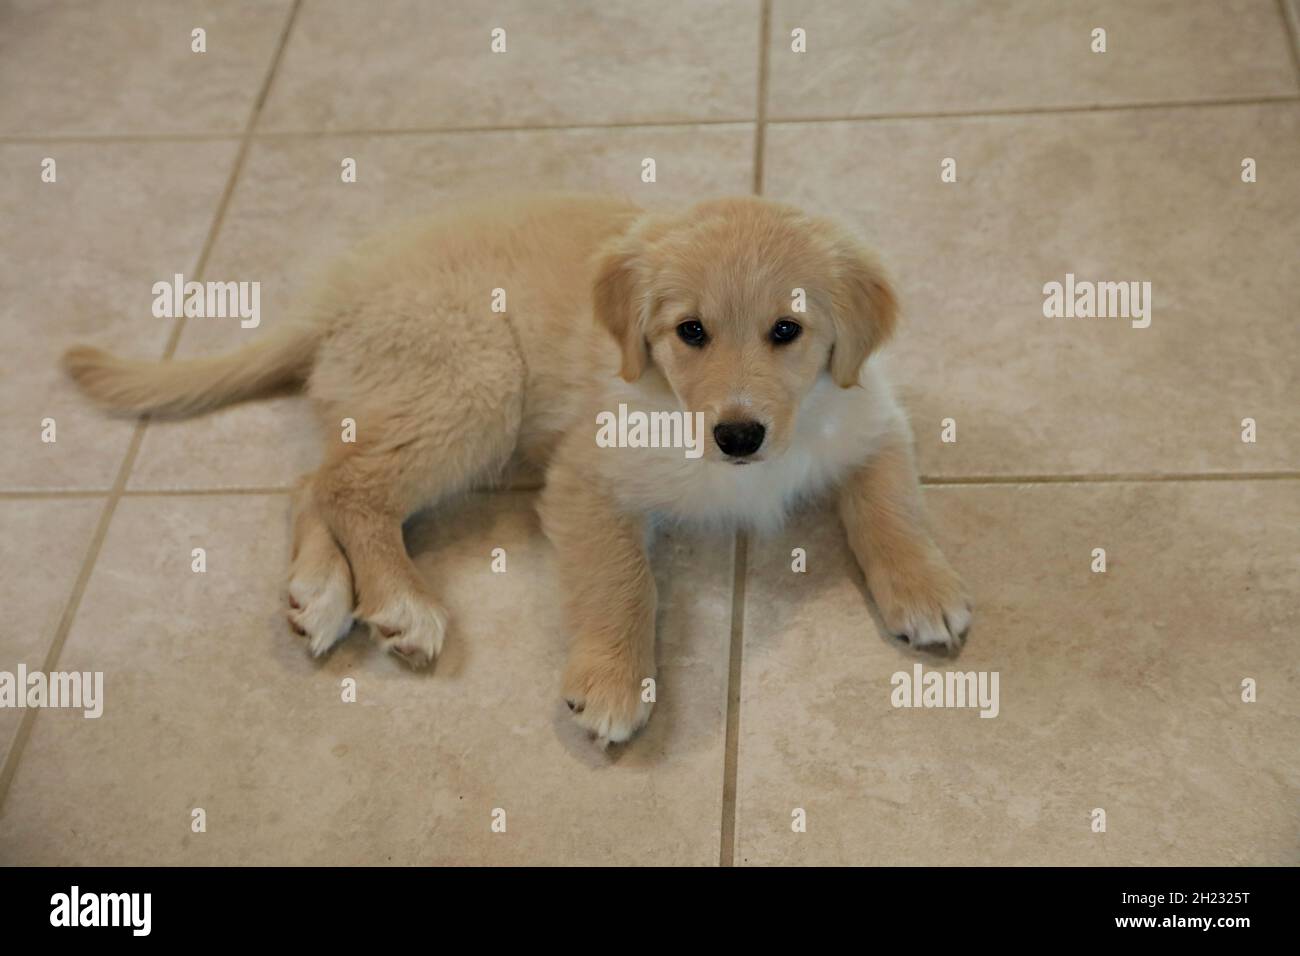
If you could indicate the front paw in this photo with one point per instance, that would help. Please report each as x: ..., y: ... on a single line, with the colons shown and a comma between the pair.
x: 606, y: 697
x: 924, y: 603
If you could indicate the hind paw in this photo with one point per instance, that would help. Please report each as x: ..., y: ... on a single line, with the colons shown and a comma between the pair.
x: 320, y: 608
x: 412, y: 627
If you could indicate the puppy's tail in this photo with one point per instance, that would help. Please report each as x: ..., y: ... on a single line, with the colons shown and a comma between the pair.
x: 179, y: 388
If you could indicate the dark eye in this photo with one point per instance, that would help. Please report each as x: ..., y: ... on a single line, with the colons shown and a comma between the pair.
x: 692, y: 333
x: 785, y: 330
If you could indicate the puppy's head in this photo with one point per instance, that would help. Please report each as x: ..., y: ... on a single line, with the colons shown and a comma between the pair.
x: 712, y: 297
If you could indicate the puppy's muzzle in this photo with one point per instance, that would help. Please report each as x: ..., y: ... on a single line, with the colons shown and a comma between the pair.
x: 739, y: 439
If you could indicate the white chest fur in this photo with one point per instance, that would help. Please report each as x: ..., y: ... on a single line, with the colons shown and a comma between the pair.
x: 836, y: 431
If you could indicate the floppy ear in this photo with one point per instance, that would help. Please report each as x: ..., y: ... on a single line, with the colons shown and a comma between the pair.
x: 864, y: 312
x: 617, y: 298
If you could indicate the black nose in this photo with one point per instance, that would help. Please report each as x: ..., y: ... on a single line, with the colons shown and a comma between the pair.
x: 739, y: 439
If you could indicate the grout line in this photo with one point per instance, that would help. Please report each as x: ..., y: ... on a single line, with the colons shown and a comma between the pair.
x: 55, y: 494
x: 654, y: 124
x: 55, y: 648
x: 1108, y: 479
x: 740, y: 541
x: 271, y: 134
x: 224, y: 202
x: 1292, y: 26
x: 760, y: 124
x: 533, y: 487
x: 34, y: 139
x: 491, y: 128
x: 1037, y: 110
x: 735, y: 660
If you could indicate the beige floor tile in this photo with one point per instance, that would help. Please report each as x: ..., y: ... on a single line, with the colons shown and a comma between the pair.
x: 212, y: 702
x: 291, y: 213
x: 1119, y: 691
x: 45, y: 542
x: 901, y: 56
x: 1147, y: 195
x: 617, y: 61
x: 1292, y: 15
x: 77, y: 264
x: 99, y: 67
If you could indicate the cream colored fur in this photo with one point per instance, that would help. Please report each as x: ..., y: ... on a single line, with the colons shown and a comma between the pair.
x: 446, y: 393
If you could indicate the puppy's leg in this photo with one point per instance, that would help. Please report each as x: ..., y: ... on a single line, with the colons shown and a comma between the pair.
x: 435, y: 397
x: 610, y: 598
x: 918, y: 595
x: 320, y: 582
x: 363, y: 499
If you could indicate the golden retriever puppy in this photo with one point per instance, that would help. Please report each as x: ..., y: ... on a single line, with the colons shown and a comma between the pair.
x: 750, y: 321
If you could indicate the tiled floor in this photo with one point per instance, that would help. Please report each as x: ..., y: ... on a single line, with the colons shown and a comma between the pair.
x: 1118, y: 691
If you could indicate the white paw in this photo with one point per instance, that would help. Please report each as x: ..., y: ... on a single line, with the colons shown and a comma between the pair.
x: 412, y: 627
x: 925, y: 606
x: 610, y: 709
x: 320, y: 607
x: 939, y: 626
